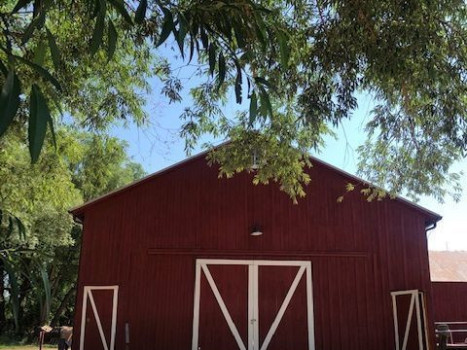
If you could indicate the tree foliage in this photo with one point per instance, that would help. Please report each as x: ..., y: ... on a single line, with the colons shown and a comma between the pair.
x: 48, y: 68
x: 39, y: 243
x: 297, y: 65
x: 294, y: 67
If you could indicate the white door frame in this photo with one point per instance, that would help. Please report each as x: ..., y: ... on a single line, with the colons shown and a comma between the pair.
x: 87, y: 295
x: 415, y: 296
x: 253, y: 326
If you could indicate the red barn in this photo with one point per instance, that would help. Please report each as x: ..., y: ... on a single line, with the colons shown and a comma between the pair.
x: 185, y: 260
x: 449, y: 291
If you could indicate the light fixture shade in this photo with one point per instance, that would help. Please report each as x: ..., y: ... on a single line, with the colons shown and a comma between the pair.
x: 256, y: 231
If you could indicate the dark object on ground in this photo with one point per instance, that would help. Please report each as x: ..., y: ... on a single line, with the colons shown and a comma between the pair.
x: 62, y: 344
x: 64, y: 335
x: 443, y: 333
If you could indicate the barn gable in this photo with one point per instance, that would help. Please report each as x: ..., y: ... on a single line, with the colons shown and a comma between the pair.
x: 78, y: 212
x: 169, y: 241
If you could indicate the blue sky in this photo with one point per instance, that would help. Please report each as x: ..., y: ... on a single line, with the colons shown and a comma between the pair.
x: 158, y: 145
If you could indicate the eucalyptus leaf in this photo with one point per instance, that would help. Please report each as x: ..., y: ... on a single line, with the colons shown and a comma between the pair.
x: 283, y: 48
x: 238, y: 86
x: 11, y: 226
x: 253, y: 109
x: 119, y: 5
x: 167, y: 28
x: 239, y: 36
x: 14, y: 288
x: 112, y: 37
x: 181, y: 33
x: 264, y: 82
x: 9, y: 100
x: 222, y: 69
x: 192, y: 48
x: 21, y: 228
x: 40, y: 70
x: 3, y: 68
x: 204, y: 37
x: 39, y: 117
x: 98, y: 33
x: 46, y: 285
x: 212, y: 58
x: 36, y: 23
x: 54, y: 50
x: 39, y: 53
x: 50, y: 122
x: 266, y: 106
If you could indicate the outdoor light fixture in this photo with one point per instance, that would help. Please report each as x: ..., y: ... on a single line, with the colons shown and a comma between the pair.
x: 256, y: 231
x: 254, y: 160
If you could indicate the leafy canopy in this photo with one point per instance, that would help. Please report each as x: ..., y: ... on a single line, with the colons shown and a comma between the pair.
x: 39, y: 243
x: 297, y: 65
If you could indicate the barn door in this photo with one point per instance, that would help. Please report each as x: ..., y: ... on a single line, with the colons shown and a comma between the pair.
x: 99, y: 317
x: 284, y: 306
x: 253, y: 305
x: 409, y: 320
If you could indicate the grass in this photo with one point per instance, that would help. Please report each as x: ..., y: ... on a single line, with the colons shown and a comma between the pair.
x: 27, y: 347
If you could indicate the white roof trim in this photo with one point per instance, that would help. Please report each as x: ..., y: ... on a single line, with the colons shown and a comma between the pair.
x: 175, y: 165
x: 356, y: 178
x: 135, y: 183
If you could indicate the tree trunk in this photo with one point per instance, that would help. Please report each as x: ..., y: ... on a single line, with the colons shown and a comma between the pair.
x: 24, y: 291
x: 62, y: 306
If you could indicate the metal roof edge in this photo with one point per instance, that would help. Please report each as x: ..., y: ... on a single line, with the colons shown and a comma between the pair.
x: 404, y: 201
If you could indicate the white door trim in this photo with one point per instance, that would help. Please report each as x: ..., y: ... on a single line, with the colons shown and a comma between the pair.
x: 87, y: 295
x: 283, y: 307
x: 253, y: 312
x: 221, y: 303
x: 253, y: 305
x: 415, y: 296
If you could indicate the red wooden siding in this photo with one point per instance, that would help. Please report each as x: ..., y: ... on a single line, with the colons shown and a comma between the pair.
x: 449, y: 301
x: 146, y: 240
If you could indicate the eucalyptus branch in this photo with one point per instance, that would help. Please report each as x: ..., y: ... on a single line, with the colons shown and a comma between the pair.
x: 449, y: 27
x: 320, y: 12
x: 6, y: 32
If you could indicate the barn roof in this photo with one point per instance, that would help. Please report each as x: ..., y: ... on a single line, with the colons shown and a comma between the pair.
x: 448, y: 266
x: 78, y: 211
